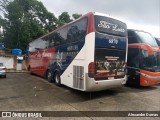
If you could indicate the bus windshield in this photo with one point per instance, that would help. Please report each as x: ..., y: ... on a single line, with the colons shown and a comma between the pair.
x: 110, y: 26
x: 150, y: 62
x: 146, y: 38
x: 158, y: 41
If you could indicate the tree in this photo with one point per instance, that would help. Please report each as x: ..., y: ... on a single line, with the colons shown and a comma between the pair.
x: 76, y: 16
x: 25, y: 20
x: 3, y: 4
x: 63, y: 18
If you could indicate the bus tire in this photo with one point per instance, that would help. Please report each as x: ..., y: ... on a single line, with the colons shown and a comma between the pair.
x: 30, y: 71
x: 49, y: 76
x: 57, y: 79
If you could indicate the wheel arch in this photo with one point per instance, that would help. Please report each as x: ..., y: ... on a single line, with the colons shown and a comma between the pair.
x: 52, y: 71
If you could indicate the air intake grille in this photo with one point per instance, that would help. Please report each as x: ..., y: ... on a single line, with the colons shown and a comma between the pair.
x: 78, y: 77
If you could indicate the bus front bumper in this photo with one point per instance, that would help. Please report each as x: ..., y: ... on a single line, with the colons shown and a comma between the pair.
x: 149, y: 78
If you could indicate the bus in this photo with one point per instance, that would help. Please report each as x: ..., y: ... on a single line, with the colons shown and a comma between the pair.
x: 143, y: 61
x: 158, y: 41
x: 88, y: 54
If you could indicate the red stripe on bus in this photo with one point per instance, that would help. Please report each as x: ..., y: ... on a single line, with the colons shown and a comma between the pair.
x: 144, y: 47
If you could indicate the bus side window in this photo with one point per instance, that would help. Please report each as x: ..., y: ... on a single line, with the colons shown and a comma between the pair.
x: 77, y: 30
x: 57, y: 38
x: 132, y: 39
x: 45, y: 42
x: 31, y: 48
x: 82, y: 26
x: 63, y: 35
x: 60, y: 36
x: 51, y: 40
x: 41, y: 43
x: 36, y: 45
x: 71, y: 35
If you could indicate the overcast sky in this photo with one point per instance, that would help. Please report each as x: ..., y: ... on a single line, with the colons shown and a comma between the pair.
x: 138, y: 14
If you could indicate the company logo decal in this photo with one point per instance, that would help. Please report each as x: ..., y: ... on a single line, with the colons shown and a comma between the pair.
x: 114, y: 27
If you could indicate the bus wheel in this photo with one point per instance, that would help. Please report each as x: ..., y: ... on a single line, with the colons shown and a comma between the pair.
x: 57, y: 79
x: 30, y: 71
x: 49, y: 76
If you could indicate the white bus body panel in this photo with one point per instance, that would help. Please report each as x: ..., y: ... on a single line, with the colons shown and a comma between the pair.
x: 83, y: 58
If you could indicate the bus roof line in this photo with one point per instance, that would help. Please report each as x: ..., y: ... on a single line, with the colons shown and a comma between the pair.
x: 139, y: 31
x: 109, y: 16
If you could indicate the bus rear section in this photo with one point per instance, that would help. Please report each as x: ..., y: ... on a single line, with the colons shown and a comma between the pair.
x: 143, y: 61
x: 107, y: 61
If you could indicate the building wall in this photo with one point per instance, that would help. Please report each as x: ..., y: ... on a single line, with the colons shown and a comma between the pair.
x: 8, y: 61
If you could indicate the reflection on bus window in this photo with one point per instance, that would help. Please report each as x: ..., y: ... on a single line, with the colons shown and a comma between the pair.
x: 146, y: 38
x: 134, y: 57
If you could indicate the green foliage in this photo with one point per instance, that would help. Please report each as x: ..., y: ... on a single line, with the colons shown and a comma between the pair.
x: 25, y: 20
x: 76, y: 16
x: 63, y: 18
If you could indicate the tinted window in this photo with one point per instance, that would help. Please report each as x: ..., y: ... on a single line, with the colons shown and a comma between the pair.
x: 71, y: 33
x: 39, y: 44
x: 150, y: 62
x: 133, y: 57
x: 158, y: 41
x: 132, y: 39
x: 77, y: 30
x: 110, y: 26
x: 61, y: 36
x: 58, y: 37
x: 146, y: 38
x: 45, y: 43
x: 51, y: 39
x: 131, y: 33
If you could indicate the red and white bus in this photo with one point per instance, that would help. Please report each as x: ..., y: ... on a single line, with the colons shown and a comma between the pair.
x: 143, y: 61
x: 88, y: 54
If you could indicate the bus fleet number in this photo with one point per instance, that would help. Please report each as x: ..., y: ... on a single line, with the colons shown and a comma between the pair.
x: 113, y: 41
